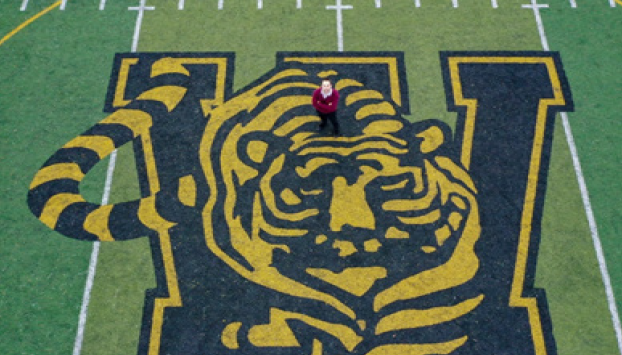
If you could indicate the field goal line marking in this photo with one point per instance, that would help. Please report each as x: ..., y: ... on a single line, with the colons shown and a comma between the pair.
x: 600, y: 255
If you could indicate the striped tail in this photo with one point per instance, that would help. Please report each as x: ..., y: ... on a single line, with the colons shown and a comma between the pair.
x: 54, y: 196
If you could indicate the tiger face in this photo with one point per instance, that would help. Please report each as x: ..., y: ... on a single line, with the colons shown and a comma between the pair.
x: 381, y: 213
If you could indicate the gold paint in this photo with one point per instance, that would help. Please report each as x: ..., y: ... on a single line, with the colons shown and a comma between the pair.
x: 410, y: 205
x: 394, y: 233
x: 345, y: 151
x: 291, y: 125
x: 256, y: 150
x: 417, y: 318
x: 278, y: 333
x: 101, y: 145
x: 454, y: 220
x: 345, y: 247
x: 97, y: 223
x: 229, y: 336
x: 55, y: 206
x: 372, y: 245
x: 312, y: 192
x: 124, y: 73
x: 321, y: 239
x: 355, y: 280
x: 428, y: 249
x: 187, y: 192
x: 396, y: 186
x: 427, y: 218
x: 458, y: 202
x: 169, y: 95
x: 29, y: 21
x: 57, y: 171
x: 344, y: 83
x: 383, y: 127
x: 363, y: 95
x: 442, y: 234
x: 312, y: 165
x: 362, y: 324
x: 349, y: 206
x: 383, y: 108
x: 138, y: 121
x: 419, y: 349
x: 290, y: 198
x: 317, y: 347
x: 327, y: 73
x: 432, y: 139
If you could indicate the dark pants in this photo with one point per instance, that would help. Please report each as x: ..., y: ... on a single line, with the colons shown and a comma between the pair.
x: 333, y: 120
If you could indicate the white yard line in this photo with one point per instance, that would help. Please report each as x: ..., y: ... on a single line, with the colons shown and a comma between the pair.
x: 299, y: 4
x: 417, y: 3
x: 86, y: 298
x: 260, y: 4
x: 24, y: 5
x: 615, y: 317
x: 221, y: 3
x: 102, y: 5
x: 63, y: 4
x: 494, y: 4
x: 180, y: 5
x: 454, y: 3
x: 600, y: 255
x: 338, y: 7
x: 378, y: 4
x: 573, y: 4
x: 612, y: 3
x: 536, y: 12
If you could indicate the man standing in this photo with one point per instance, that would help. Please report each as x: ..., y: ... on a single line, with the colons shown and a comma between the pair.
x: 325, y: 101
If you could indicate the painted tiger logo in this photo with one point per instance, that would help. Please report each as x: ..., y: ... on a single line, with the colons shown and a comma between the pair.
x: 377, y: 217
x: 270, y: 237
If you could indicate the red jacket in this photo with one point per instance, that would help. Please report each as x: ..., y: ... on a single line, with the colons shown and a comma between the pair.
x: 325, y: 105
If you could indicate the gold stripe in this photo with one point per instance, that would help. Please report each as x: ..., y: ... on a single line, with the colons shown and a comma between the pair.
x: 138, y: 121
x: 360, y: 147
x: 169, y: 95
x: 56, y: 172
x: 55, y: 206
x: 363, y: 95
x: 383, y: 108
x: 418, y: 318
x: 187, y: 192
x: 101, y: 145
x: 97, y: 223
x: 29, y: 21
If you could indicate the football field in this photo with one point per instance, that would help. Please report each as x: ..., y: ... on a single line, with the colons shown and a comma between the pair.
x: 156, y: 156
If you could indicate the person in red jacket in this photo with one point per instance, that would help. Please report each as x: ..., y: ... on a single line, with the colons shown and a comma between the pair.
x: 325, y: 101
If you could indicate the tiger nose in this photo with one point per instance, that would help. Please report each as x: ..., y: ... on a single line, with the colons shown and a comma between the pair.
x: 348, y: 206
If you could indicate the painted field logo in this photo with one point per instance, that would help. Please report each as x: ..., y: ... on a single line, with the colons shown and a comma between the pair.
x: 270, y: 237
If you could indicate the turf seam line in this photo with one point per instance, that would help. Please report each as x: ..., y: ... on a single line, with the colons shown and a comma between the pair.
x: 594, y: 231
x: 613, y: 310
